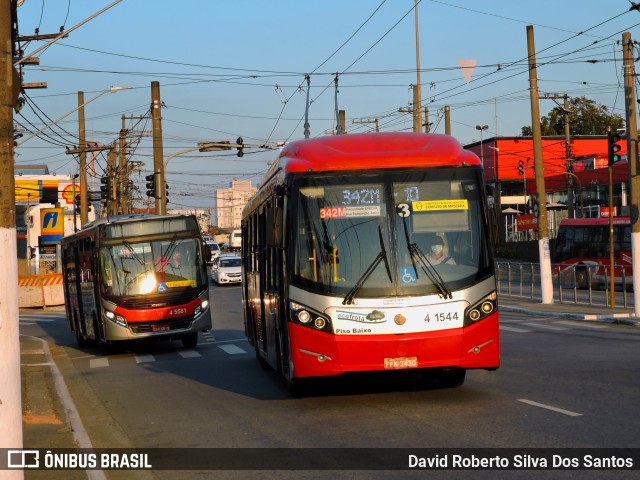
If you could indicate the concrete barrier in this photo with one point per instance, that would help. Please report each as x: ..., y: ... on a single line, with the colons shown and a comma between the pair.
x: 40, y: 290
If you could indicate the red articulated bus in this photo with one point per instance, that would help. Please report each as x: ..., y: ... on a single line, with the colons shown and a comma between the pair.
x: 369, y: 252
x: 583, y: 245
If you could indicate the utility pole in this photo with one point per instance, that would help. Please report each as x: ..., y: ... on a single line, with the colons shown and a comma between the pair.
x: 123, y: 173
x: 417, y: 95
x: 158, y: 155
x: 567, y: 140
x: 112, y: 200
x: 447, y: 120
x: 546, y: 282
x: 569, y: 164
x: 632, y: 159
x: 82, y: 146
x: 343, y: 123
x: 10, y: 389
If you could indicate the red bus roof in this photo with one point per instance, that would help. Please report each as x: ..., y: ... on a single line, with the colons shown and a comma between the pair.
x: 594, y: 221
x: 365, y: 151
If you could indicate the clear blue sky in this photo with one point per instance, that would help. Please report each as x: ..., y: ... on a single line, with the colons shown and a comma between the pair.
x: 236, y: 68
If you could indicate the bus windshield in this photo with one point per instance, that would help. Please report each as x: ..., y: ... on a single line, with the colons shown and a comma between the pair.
x: 150, y: 267
x: 427, y: 222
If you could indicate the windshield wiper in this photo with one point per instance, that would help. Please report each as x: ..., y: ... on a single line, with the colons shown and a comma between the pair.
x: 135, y: 255
x: 425, y: 264
x: 382, y: 256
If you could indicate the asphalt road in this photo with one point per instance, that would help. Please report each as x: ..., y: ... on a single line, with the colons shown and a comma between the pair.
x: 562, y: 384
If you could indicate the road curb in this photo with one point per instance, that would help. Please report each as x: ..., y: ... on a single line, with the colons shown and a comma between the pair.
x: 617, y: 318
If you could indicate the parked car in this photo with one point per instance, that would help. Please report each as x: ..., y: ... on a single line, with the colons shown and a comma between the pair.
x: 226, y: 269
x: 215, y: 250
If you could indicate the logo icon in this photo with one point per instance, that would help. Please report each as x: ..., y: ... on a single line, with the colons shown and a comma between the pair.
x: 23, y: 458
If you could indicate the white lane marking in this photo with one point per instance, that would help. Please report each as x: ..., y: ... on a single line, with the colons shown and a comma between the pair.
x: 36, y: 319
x: 514, y: 329
x: 80, y: 435
x: 581, y: 324
x: 144, y: 358
x: 549, y: 407
x: 542, y: 325
x: 231, y: 349
x: 22, y: 322
x: 98, y: 362
x: 188, y: 353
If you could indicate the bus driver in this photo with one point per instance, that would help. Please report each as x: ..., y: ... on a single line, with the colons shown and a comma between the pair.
x: 437, y: 255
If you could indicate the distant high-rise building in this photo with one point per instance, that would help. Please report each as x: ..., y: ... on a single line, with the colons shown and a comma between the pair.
x: 229, y: 203
x: 203, y: 215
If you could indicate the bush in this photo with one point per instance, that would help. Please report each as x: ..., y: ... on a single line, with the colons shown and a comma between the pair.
x: 506, y: 252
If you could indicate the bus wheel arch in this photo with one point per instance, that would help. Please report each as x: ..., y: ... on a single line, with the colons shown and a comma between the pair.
x: 582, y: 276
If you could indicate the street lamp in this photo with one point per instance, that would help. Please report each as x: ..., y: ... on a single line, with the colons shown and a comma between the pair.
x: 481, y: 128
x: 111, y: 90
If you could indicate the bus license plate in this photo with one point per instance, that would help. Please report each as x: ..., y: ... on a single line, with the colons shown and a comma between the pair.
x: 400, y: 362
x: 160, y: 328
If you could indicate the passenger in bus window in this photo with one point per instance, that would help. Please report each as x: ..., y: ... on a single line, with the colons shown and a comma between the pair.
x: 438, y: 254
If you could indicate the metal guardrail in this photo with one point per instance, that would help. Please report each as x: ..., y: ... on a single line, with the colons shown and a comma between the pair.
x: 575, y: 283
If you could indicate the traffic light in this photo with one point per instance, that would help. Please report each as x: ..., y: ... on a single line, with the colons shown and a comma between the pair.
x: 614, y: 147
x: 520, y: 167
x: 76, y: 201
x: 166, y: 192
x: 105, y: 188
x: 240, y: 147
x: 151, y: 185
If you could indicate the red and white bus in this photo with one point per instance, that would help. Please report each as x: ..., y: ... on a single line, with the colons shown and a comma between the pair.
x: 582, y: 245
x: 131, y: 277
x: 336, y: 274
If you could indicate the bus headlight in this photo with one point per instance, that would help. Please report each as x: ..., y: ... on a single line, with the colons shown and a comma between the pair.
x: 200, y: 308
x: 481, y: 309
x: 308, y: 317
x: 118, y: 319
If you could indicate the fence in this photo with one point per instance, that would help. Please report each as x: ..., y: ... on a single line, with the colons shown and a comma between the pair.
x: 576, y: 283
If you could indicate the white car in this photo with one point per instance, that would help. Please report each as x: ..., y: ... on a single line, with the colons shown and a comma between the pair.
x: 226, y: 269
x: 215, y: 252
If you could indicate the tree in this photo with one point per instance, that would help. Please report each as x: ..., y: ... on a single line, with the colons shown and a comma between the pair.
x: 586, y: 118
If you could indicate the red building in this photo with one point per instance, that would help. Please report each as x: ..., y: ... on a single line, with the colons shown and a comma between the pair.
x: 510, y: 161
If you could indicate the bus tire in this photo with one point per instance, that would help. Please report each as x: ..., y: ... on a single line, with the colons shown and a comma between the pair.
x: 189, y: 340
x: 81, y: 341
x: 452, y: 378
x: 297, y: 388
x: 261, y: 361
x: 582, y: 278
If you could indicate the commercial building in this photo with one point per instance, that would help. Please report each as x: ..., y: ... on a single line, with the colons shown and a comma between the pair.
x: 576, y: 181
x: 229, y: 202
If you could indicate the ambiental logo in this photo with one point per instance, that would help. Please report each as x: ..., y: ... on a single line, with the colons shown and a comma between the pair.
x: 375, y: 316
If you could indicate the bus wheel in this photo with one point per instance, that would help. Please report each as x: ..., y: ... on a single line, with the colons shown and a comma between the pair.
x: 452, y: 378
x: 261, y: 361
x: 190, y: 340
x: 80, y: 339
x: 582, y: 279
x: 297, y: 388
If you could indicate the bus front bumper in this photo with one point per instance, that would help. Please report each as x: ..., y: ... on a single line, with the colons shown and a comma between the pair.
x: 159, y: 328
x: 317, y: 353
